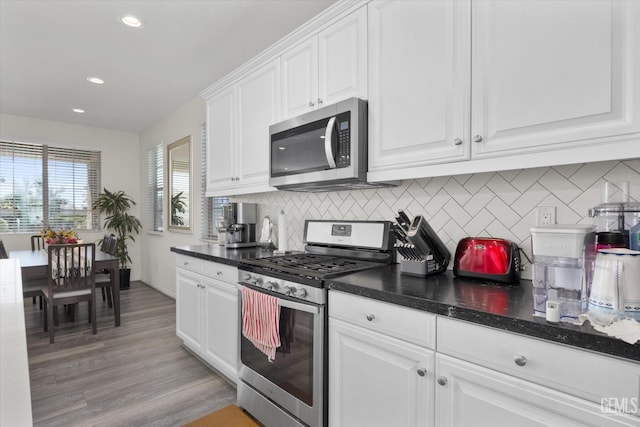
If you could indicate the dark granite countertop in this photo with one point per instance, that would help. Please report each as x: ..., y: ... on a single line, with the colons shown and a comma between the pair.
x: 509, y: 308
x: 222, y: 254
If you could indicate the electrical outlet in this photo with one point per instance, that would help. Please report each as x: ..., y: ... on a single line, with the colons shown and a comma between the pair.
x: 545, y: 215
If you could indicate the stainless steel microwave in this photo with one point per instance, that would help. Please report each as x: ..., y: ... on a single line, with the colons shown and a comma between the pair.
x: 322, y: 150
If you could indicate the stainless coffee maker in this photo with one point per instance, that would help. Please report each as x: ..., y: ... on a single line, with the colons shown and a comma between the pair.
x: 242, y: 219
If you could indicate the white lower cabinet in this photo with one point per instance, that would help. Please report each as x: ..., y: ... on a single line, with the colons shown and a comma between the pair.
x: 189, y: 309
x: 221, y: 327
x: 376, y: 379
x: 470, y: 395
x: 207, y: 312
x: 488, y: 377
x: 386, y: 369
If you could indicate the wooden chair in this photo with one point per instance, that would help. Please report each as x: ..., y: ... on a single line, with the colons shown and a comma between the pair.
x: 3, y: 251
x: 103, y: 278
x: 71, y: 279
x: 33, y: 288
x: 37, y: 242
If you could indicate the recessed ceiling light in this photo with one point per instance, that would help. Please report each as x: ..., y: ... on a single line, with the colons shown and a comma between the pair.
x: 96, y: 80
x: 131, y: 21
x: 78, y: 110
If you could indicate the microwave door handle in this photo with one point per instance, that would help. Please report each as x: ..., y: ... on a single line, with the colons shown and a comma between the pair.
x: 328, y: 149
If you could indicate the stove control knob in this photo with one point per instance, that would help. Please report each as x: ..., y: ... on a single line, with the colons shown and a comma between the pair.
x: 246, y: 277
x: 290, y: 290
x: 272, y: 286
x: 259, y: 281
x: 302, y: 293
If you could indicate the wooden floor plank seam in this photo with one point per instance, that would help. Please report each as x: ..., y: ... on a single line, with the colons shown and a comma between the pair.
x: 135, y: 375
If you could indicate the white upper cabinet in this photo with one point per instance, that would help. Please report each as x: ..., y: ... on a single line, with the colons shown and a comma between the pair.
x: 327, y: 67
x: 238, y: 120
x: 258, y: 107
x: 552, y: 74
x: 560, y: 77
x: 419, y: 62
x: 300, y: 78
x: 342, y: 59
x: 220, y: 136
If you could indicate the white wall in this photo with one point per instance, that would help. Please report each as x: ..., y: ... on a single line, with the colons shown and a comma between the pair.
x: 158, y: 266
x: 120, y: 164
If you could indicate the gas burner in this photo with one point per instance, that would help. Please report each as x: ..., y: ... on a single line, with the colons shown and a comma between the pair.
x: 310, y: 265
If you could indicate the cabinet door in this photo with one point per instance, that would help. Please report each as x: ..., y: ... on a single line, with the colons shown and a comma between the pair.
x: 470, y: 395
x: 342, y: 53
x: 419, y: 71
x: 189, y: 309
x: 300, y: 78
x: 220, y: 141
x: 221, y: 327
x: 376, y: 380
x: 258, y: 107
x: 551, y: 75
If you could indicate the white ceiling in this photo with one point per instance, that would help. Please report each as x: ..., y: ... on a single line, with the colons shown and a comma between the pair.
x: 49, y: 47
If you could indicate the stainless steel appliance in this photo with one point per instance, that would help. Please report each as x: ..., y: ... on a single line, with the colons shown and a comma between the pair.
x: 322, y: 150
x: 241, y: 229
x: 292, y: 389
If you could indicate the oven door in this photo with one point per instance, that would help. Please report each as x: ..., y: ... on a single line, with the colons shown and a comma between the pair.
x: 295, y: 379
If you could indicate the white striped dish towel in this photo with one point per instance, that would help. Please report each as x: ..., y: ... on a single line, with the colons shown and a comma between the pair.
x: 261, y: 321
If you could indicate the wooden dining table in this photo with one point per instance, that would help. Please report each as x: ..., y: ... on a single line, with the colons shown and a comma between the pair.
x: 34, y: 266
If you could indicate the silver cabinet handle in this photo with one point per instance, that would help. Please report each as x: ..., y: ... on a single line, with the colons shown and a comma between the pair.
x: 319, y: 101
x: 219, y: 273
x: 442, y: 381
x: 457, y: 141
x: 370, y: 317
x: 233, y: 178
x: 520, y: 360
x: 311, y: 104
x: 422, y: 372
x: 477, y: 138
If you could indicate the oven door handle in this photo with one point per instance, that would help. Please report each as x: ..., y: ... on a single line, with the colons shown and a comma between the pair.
x: 307, y: 308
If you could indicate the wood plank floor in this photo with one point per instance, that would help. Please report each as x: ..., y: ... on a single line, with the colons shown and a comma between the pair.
x: 135, y: 375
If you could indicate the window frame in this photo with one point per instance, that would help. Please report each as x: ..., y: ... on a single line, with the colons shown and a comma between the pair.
x: 62, y: 167
x: 155, y: 189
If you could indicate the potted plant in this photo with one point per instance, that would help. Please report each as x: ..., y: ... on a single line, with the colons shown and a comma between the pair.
x: 116, y: 205
x: 178, y: 208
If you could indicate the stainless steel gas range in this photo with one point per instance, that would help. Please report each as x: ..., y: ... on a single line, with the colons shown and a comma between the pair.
x: 291, y: 390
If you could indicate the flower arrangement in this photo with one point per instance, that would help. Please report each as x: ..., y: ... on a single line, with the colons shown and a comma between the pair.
x: 59, y: 237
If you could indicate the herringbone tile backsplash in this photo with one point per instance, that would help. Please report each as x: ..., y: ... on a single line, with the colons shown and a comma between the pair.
x: 495, y: 204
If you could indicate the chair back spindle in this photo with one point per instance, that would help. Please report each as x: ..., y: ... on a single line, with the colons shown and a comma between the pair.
x: 37, y: 242
x: 3, y: 251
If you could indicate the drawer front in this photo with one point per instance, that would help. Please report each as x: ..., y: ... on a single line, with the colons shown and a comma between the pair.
x: 189, y: 263
x: 224, y: 272
x: 411, y: 325
x: 578, y: 372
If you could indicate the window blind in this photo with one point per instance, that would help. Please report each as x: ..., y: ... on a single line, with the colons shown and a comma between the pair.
x: 44, y: 186
x: 155, y: 188
x: 211, y: 206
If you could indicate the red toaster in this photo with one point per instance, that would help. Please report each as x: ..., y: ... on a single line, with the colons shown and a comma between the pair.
x: 495, y: 260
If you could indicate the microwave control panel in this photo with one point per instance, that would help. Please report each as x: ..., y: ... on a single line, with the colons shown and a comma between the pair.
x: 343, y: 158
